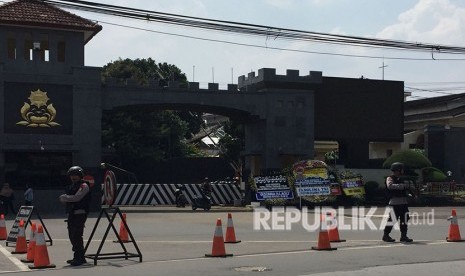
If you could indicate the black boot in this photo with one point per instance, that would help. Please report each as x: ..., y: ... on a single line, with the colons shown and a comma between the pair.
x: 76, y: 262
x: 404, y: 238
x: 83, y: 261
x: 78, y: 259
x: 387, y: 238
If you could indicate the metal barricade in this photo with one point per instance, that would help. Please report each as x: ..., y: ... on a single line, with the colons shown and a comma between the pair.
x: 443, y: 189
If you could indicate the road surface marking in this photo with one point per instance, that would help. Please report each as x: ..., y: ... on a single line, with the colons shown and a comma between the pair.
x: 13, y: 259
x: 306, y: 251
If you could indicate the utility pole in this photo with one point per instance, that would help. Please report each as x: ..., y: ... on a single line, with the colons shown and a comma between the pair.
x: 382, y: 67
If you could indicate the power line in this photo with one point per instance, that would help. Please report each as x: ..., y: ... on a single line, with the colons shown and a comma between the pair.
x: 423, y: 91
x: 435, y: 88
x: 436, y: 83
x: 275, y: 48
x: 253, y: 29
x: 439, y: 90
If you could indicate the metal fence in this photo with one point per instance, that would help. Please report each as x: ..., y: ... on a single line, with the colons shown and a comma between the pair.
x: 443, y: 189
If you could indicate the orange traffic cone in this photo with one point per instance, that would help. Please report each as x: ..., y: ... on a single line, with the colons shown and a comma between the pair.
x: 333, y: 233
x: 323, y: 238
x: 454, y: 231
x: 3, y: 234
x: 41, y: 259
x: 21, y: 244
x: 218, y: 249
x: 123, y: 232
x: 230, y: 233
x: 31, y: 245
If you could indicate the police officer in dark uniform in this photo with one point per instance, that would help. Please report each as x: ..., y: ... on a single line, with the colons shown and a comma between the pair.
x: 398, y: 192
x: 77, y: 200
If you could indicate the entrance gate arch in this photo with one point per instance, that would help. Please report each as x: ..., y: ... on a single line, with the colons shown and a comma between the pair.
x: 276, y: 110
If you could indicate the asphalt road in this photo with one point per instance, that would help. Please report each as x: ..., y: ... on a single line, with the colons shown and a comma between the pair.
x: 174, y: 242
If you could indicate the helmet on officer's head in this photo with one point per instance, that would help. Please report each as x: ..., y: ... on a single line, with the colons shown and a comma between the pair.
x: 397, y: 166
x: 76, y: 170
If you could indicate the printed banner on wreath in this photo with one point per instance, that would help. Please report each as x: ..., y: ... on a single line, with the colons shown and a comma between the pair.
x: 310, y: 172
x: 311, y: 178
x: 351, y: 184
x: 285, y: 194
x: 269, y: 187
x: 312, y: 191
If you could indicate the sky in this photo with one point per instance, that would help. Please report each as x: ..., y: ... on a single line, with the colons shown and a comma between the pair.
x: 425, y: 21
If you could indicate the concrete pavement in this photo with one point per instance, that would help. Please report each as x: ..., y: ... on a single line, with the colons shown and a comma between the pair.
x: 174, y: 243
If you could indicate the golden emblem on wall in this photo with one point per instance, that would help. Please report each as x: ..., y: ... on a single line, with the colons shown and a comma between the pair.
x: 38, y: 113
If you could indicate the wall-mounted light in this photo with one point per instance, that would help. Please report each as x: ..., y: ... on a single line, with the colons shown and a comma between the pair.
x: 36, y: 46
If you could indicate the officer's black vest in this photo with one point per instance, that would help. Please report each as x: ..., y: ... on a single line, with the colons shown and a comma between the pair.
x: 396, y: 193
x: 84, y: 203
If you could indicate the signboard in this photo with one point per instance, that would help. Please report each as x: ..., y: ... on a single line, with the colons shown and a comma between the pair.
x: 269, y: 187
x: 109, y: 188
x: 24, y: 214
x: 311, y: 178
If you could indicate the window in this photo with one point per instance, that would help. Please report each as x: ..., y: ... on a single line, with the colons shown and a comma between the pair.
x: 11, y: 45
x: 44, y: 48
x: 61, y: 49
x: 388, y: 152
x: 28, y: 47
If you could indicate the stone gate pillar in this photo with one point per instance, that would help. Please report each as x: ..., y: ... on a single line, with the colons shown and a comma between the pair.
x: 285, y: 106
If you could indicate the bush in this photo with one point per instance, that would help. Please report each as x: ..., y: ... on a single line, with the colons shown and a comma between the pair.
x: 371, y: 187
x: 375, y: 192
x: 356, y: 200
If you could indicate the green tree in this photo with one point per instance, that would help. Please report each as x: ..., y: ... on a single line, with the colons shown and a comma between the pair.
x: 146, y: 135
x: 142, y: 71
x: 233, y: 142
